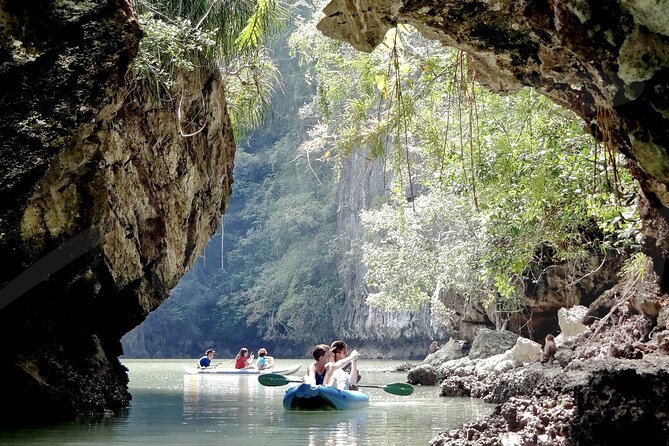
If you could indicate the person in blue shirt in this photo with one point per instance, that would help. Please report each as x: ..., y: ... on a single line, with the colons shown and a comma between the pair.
x: 205, y: 361
x: 264, y: 361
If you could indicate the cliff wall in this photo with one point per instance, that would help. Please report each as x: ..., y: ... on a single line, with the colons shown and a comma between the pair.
x: 105, y: 204
x: 381, y: 333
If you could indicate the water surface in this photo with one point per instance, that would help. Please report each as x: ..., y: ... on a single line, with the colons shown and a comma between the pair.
x: 170, y: 408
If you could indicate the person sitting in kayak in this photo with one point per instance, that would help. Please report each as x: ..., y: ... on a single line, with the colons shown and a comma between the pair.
x: 243, y: 360
x: 338, y: 377
x: 317, y: 370
x: 323, y: 367
x: 347, y: 368
x: 264, y: 361
x: 205, y: 361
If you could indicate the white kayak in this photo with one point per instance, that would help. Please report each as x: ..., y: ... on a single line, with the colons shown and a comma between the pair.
x: 287, y: 370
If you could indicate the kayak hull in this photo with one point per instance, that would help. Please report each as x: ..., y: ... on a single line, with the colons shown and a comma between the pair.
x: 288, y: 370
x: 308, y: 397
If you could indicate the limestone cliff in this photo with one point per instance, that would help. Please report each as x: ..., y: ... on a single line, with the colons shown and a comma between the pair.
x: 406, y: 334
x: 105, y: 203
x: 381, y: 333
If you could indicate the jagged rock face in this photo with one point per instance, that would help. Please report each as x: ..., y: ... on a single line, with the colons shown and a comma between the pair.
x: 607, y: 417
x: 607, y: 61
x: 564, y: 285
x: 105, y: 205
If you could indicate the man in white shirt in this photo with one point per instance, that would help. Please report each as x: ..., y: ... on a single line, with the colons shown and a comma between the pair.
x: 340, y: 378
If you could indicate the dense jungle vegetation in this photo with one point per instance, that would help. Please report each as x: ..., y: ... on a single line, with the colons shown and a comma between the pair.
x: 481, y: 188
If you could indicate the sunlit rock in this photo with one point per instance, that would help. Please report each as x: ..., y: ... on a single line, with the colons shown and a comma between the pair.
x: 570, y: 320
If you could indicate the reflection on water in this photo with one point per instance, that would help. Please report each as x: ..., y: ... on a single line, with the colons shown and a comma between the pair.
x: 221, y: 402
x: 170, y: 408
x: 242, y: 408
x: 330, y: 428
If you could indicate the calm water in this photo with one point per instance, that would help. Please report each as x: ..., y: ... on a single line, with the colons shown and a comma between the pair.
x: 169, y: 408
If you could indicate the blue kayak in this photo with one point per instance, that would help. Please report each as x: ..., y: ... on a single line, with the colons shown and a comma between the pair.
x: 308, y: 397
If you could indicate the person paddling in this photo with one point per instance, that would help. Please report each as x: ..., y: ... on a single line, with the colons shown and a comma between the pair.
x: 205, y: 361
x: 242, y: 360
x: 337, y: 376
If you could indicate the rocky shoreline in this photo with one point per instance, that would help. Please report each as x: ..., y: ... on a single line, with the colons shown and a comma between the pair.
x: 608, y: 385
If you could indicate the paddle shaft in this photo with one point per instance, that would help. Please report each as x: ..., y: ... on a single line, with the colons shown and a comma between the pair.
x: 280, y: 380
x: 359, y: 385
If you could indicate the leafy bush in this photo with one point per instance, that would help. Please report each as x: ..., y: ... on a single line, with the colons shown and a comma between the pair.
x: 168, y: 47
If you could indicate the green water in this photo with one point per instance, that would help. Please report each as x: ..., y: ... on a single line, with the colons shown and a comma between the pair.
x: 170, y: 408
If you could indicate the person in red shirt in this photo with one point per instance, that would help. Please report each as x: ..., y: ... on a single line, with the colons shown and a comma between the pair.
x: 243, y: 360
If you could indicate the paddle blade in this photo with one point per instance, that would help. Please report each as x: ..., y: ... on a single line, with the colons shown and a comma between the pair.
x: 398, y: 388
x: 273, y: 379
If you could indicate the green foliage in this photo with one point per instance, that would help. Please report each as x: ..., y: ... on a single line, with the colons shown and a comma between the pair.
x: 249, y: 87
x: 283, y: 271
x: 181, y: 36
x: 536, y: 187
x: 636, y: 267
x: 437, y: 244
x: 227, y: 21
x: 169, y: 46
x: 260, y: 24
x: 530, y: 174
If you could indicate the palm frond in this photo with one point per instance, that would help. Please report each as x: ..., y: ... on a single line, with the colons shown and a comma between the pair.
x: 234, y: 24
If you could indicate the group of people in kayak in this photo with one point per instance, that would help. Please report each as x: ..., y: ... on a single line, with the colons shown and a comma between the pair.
x: 245, y: 361
x: 334, y: 366
x: 242, y: 361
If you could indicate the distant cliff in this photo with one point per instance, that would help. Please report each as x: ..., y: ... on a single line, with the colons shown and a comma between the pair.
x: 381, y: 333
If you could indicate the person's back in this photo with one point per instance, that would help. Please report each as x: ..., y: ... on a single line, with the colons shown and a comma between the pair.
x: 264, y: 361
x: 341, y: 379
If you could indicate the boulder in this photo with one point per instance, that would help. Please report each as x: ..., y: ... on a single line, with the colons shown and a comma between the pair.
x: 491, y: 342
x: 423, y: 374
x: 453, y: 349
x: 526, y: 350
x: 663, y: 318
x: 571, y: 320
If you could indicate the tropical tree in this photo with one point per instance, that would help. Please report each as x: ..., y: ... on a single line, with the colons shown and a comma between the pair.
x: 524, y: 166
